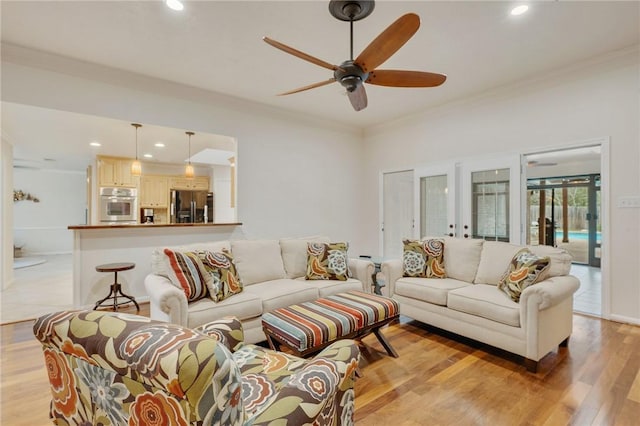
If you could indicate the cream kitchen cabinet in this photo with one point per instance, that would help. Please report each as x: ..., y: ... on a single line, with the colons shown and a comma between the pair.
x: 199, y: 183
x: 154, y: 191
x: 115, y: 171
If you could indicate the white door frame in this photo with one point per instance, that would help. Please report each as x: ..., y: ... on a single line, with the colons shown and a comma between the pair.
x: 605, y: 194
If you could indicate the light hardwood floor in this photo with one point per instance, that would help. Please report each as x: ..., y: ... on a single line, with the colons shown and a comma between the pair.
x: 439, y: 379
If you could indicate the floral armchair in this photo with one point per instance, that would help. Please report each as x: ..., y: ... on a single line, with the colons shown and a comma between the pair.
x: 115, y: 369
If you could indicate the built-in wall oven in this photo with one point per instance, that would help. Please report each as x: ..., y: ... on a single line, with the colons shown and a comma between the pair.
x: 119, y: 205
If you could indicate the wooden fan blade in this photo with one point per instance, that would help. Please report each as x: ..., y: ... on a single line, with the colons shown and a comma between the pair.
x: 358, y: 98
x: 311, y: 86
x: 395, y: 78
x: 299, y: 54
x: 388, y: 42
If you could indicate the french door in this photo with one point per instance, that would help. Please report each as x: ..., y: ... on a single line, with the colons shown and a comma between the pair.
x: 470, y: 199
x: 397, y: 211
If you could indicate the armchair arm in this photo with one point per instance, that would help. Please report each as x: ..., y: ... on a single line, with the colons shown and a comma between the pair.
x: 167, y: 302
x: 362, y: 270
x: 321, y: 389
x: 549, y: 292
x: 227, y: 331
x: 392, y: 271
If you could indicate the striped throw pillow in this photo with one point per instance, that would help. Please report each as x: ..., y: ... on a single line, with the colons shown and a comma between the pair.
x: 186, y: 271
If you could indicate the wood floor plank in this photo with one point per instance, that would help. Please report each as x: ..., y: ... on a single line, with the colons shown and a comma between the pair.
x: 439, y: 379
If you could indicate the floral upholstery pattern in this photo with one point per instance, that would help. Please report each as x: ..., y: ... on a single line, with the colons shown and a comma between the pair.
x: 423, y: 258
x: 327, y: 261
x: 525, y: 269
x: 224, y: 280
x: 114, y: 369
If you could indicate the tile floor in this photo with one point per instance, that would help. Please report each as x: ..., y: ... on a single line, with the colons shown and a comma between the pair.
x: 38, y: 289
x: 588, y: 298
x: 47, y: 287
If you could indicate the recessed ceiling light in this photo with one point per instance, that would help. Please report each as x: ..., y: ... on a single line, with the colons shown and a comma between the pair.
x: 175, y: 4
x: 148, y: 155
x: 519, y: 10
x: 159, y: 145
x: 95, y: 144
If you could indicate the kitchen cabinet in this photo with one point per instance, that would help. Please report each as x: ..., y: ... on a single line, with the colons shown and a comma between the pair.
x: 199, y: 183
x: 154, y: 191
x: 115, y: 171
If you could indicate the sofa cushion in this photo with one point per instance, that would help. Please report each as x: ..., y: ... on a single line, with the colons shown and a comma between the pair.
x: 224, y: 280
x: 280, y: 293
x: 257, y: 260
x: 462, y: 257
x: 294, y: 254
x: 243, y: 306
x: 327, y: 261
x: 525, y: 270
x: 484, y: 300
x: 427, y: 289
x: 329, y: 287
x: 560, y: 260
x: 186, y: 271
x: 159, y: 266
x: 423, y: 258
x: 494, y: 260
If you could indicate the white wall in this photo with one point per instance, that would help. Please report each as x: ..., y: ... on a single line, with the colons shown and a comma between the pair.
x: 591, y: 100
x: 6, y: 210
x: 41, y: 228
x: 224, y: 213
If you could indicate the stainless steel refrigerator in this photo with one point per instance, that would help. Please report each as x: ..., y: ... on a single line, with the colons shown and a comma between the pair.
x: 191, y: 206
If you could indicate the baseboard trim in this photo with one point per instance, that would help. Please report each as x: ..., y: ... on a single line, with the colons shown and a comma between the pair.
x: 625, y: 319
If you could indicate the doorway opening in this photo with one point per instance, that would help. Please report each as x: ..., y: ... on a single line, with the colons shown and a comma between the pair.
x: 564, y: 209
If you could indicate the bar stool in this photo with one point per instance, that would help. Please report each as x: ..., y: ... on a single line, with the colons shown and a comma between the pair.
x: 115, y: 287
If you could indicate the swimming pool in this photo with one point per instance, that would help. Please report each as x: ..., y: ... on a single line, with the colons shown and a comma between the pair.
x: 577, y: 235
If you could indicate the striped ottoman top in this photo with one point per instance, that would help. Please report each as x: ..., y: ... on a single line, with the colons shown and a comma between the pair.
x: 310, y: 324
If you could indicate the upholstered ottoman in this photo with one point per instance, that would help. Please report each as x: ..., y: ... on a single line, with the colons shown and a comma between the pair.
x: 308, y: 327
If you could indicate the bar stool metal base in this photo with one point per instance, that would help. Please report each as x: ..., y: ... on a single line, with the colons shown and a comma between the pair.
x: 116, y: 288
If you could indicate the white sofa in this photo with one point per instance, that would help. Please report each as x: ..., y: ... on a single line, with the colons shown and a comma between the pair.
x: 468, y: 302
x: 272, y: 274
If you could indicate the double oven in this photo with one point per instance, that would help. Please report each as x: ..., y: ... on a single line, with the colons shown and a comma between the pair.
x: 119, y: 206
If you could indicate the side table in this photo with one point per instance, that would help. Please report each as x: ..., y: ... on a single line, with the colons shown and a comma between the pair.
x: 377, y: 263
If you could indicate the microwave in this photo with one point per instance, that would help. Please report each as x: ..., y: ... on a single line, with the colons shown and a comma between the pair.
x: 119, y: 205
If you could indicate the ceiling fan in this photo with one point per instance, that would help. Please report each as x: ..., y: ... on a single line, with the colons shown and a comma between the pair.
x: 351, y: 74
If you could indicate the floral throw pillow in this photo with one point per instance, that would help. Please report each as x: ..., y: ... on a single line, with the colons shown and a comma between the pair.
x: 186, y: 271
x: 423, y: 259
x: 224, y: 281
x: 327, y: 261
x: 525, y: 270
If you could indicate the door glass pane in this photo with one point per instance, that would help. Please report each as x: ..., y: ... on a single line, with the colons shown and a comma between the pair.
x: 490, y: 204
x: 397, y: 211
x: 433, y: 206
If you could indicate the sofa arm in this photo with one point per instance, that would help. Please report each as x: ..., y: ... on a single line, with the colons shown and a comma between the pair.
x: 392, y: 271
x: 227, y: 331
x: 319, y: 393
x: 167, y: 302
x: 362, y: 270
x: 549, y: 292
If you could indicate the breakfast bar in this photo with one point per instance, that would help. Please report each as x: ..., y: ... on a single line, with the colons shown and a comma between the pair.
x: 94, y: 245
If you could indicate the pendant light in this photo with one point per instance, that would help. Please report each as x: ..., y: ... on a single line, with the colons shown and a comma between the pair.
x: 136, y: 167
x: 188, y: 171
